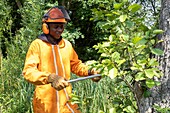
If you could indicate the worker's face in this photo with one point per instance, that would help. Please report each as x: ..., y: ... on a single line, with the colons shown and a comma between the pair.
x: 56, y: 29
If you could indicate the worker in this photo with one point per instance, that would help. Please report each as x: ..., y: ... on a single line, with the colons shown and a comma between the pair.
x: 49, y: 62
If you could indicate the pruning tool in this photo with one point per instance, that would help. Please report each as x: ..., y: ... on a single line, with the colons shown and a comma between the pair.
x: 83, y: 78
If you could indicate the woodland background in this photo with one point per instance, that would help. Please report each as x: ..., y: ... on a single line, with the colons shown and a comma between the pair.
x: 122, y: 38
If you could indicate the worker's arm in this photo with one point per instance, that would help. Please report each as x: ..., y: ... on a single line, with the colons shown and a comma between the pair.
x: 81, y: 69
x: 30, y: 71
x: 77, y: 67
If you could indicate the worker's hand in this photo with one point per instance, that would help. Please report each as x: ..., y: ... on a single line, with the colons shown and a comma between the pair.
x: 57, y: 82
x: 93, y: 72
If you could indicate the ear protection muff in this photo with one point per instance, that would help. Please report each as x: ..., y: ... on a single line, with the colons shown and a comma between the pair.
x: 45, y: 28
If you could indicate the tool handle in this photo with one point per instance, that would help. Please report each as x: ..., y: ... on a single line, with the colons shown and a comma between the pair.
x: 83, y: 78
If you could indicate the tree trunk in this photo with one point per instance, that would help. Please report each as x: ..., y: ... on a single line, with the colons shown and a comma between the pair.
x: 160, y: 95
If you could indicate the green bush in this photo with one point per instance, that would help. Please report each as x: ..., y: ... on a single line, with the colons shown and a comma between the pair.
x: 16, y: 93
x: 126, y: 53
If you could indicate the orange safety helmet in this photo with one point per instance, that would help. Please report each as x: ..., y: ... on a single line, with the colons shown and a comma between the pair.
x: 54, y: 14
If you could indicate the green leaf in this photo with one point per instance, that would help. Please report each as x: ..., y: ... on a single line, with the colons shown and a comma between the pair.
x: 124, y: 1
x: 123, y: 18
x: 157, y: 83
x: 116, y: 13
x: 129, y: 109
x: 106, y: 61
x: 150, y: 83
x: 100, y: 111
x: 140, y: 76
x: 108, y: 14
x: 117, y: 5
x: 75, y: 98
x: 136, y: 39
x: 153, y: 41
x: 120, y: 62
x: 104, y: 55
x: 115, y: 56
x: 158, y: 31
x: 153, y: 62
x: 106, y: 44
x: 125, y: 37
x: 135, y: 7
x: 142, y: 62
x: 143, y: 27
x: 117, y: 100
x: 113, y: 73
x: 111, y: 38
x: 91, y: 19
x: 142, y: 41
x: 112, y: 110
x: 129, y: 24
x: 149, y: 73
x: 75, y: 102
x: 134, y: 68
x: 156, y: 51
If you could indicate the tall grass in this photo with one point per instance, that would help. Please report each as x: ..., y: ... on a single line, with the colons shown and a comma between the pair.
x: 15, y: 92
x: 0, y: 61
x: 101, y: 97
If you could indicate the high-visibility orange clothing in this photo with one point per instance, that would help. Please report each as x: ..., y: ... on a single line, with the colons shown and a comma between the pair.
x: 44, y: 58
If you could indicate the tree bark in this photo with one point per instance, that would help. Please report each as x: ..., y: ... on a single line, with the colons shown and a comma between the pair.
x: 160, y: 95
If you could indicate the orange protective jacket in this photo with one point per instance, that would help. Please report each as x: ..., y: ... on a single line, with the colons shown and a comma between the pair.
x: 44, y: 58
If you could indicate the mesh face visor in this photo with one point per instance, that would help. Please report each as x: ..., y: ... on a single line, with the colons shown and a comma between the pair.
x: 66, y: 15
